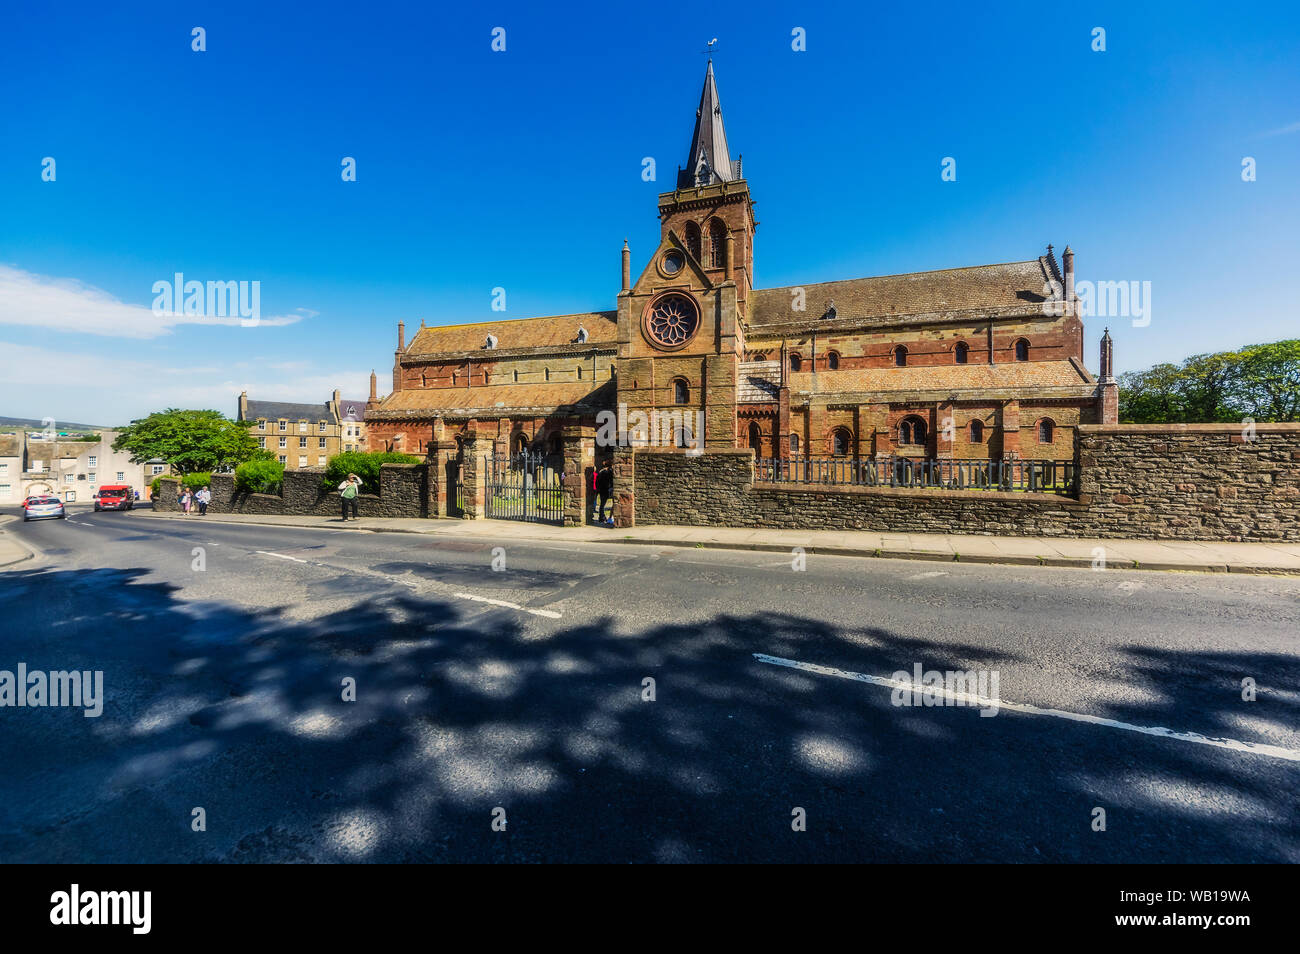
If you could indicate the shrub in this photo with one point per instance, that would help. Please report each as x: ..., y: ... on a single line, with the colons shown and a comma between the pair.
x: 364, y: 465
x: 259, y: 476
x: 195, y: 481
x: 153, y: 486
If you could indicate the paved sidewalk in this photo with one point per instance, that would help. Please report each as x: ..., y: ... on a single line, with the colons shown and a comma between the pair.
x: 963, y: 548
x: 11, y: 551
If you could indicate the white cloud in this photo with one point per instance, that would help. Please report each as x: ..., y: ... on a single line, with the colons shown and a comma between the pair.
x: 96, y: 390
x: 65, y: 304
x: 1284, y: 130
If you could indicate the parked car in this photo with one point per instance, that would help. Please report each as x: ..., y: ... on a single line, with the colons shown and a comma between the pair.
x: 114, y: 497
x: 37, y: 508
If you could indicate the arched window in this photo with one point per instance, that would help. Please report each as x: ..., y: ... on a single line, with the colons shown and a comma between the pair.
x: 911, y: 430
x: 1022, y: 349
x: 833, y: 360
x: 681, y: 393
x: 900, y: 357
x: 796, y: 362
x: 755, y: 437
x: 1046, y: 430
x: 841, y: 441
x: 977, y: 432
x: 717, y: 243
x: 794, y: 443
x: 521, y: 443
x: 693, y: 239
x: 960, y: 353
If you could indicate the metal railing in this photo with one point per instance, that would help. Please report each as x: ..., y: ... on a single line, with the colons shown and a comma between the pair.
x: 524, y: 487
x: 1005, y: 476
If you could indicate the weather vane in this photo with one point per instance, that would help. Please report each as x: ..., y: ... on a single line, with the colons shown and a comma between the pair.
x: 709, y: 51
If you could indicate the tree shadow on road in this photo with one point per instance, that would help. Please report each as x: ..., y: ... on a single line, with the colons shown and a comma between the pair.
x: 461, y: 709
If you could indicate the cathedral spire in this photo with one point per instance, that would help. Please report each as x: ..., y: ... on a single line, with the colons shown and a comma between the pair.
x: 709, y: 160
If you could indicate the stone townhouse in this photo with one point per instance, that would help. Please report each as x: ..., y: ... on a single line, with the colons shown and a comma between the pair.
x: 74, y: 470
x: 978, y: 363
x: 300, y: 435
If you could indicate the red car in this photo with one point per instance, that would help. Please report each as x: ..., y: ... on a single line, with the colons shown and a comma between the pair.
x: 114, y: 497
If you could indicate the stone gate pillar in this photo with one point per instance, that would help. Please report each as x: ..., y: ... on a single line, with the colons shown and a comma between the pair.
x: 579, y: 456
x: 624, y: 487
x: 474, y: 474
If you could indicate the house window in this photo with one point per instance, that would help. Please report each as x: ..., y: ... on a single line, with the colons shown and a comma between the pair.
x: 261, y: 442
x: 6, y: 490
x: 516, y: 377
x: 261, y: 425
x: 320, y: 428
x: 156, y: 469
x: 91, y: 476
x: 900, y: 357
x: 717, y: 241
x: 546, y: 372
x: 521, y: 443
x: 302, y: 427
x: 977, y: 432
x: 833, y: 360
x: 320, y: 461
x: 681, y: 393
x: 960, y: 353
x: 302, y: 442
x: 69, y: 478
x: 284, y: 442
x: 794, y: 443
x: 121, y: 476
x: 320, y: 443
x: 1046, y: 431
x: 911, y: 430
x: 92, y: 460
x: 302, y: 460
x: 796, y: 362
x: 1022, y: 349
x: 4, y: 470
x: 284, y: 425
x: 840, y: 441
x: 284, y: 459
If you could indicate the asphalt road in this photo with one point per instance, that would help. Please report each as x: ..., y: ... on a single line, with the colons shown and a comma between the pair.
x: 223, y: 691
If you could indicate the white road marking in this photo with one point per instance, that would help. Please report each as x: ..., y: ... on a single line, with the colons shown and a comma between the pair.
x: 281, y: 556
x: 928, y: 575
x: 549, y: 614
x: 1272, y: 751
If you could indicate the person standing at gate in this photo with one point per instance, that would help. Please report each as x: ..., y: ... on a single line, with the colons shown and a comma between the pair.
x: 595, y: 477
x: 348, y: 491
x: 605, y: 490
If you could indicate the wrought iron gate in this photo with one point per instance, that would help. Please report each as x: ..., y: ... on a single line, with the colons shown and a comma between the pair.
x: 525, y: 487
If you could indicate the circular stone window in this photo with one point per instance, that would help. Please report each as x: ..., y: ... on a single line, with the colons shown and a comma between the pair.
x: 672, y: 320
x: 672, y: 262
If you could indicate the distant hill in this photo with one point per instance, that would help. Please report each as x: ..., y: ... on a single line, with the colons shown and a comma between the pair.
x: 59, y: 425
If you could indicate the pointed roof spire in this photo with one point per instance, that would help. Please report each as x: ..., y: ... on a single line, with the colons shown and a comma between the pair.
x: 709, y: 160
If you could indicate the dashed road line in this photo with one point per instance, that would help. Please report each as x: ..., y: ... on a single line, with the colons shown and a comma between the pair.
x: 1272, y: 751
x: 549, y: 614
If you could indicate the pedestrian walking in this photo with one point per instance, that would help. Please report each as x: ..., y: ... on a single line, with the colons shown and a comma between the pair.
x: 604, y: 491
x: 595, y: 472
x: 348, y: 491
x: 204, y: 497
x: 186, y: 500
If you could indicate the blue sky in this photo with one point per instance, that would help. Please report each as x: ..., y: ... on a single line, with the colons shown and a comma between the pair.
x: 522, y: 170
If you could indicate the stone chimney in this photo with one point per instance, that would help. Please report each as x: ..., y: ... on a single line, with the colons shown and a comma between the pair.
x: 374, y: 395
x: 401, y: 336
x: 1067, y: 263
x: 627, y: 266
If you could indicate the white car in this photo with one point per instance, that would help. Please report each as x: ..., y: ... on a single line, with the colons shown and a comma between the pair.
x: 36, y: 508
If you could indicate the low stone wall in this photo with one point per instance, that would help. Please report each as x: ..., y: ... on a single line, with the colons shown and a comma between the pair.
x: 405, y: 490
x: 1191, y: 482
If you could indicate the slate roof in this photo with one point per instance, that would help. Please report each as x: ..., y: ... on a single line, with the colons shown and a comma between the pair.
x: 497, y: 398
x: 602, y: 328
x: 275, y: 410
x: 966, y: 377
x: 352, y: 411
x: 1023, y: 284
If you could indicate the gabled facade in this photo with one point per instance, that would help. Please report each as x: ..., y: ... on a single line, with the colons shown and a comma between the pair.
x: 979, y: 363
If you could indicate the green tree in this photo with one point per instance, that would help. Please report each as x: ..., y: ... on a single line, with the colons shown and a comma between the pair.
x: 1268, y: 383
x: 190, y: 441
x: 364, y: 465
x: 1151, y: 396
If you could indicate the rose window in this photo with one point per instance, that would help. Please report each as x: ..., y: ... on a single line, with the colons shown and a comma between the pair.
x: 673, y: 320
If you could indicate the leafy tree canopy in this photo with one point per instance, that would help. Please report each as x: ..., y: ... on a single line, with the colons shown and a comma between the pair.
x: 1259, y: 381
x: 190, y: 441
